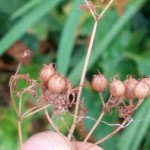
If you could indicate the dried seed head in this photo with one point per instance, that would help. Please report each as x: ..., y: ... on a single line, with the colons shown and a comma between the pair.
x: 99, y: 83
x: 46, y: 72
x: 129, y: 87
x: 141, y: 89
x: 57, y: 84
x: 117, y: 88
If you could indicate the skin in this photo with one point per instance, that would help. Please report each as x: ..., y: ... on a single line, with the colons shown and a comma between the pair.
x: 50, y: 140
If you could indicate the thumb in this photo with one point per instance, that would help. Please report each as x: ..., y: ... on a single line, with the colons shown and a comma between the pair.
x: 50, y: 140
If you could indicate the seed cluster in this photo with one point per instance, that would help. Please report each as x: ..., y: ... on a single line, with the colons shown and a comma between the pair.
x: 57, y: 90
x: 125, y: 96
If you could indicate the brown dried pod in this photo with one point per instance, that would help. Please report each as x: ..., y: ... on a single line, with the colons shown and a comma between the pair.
x: 129, y: 87
x: 117, y: 88
x: 141, y: 90
x: 99, y: 83
x: 57, y: 84
x: 47, y: 71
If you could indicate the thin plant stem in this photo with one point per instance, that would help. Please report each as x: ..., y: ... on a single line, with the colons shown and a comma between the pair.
x: 11, y: 89
x: 32, y: 113
x: 54, y: 127
x: 19, y: 123
x: 83, y: 77
x: 18, y: 68
x: 15, y: 107
x: 51, y: 121
x: 93, y: 128
x: 20, y: 133
x: 67, y: 128
x: 30, y: 110
x: 109, y: 135
x: 86, y: 63
x: 12, y: 97
x: 118, y: 129
x: 105, y: 9
x: 91, y: 10
x: 102, y: 99
x: 20, y: 103
x: 139, y: 103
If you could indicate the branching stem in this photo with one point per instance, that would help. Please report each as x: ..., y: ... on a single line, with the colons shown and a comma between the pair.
x: 94, y: 127
x: 83, y: 77
x: 96, y: 18
x: 25, y: 115
x: 12, y: 97
x: 109, y: 135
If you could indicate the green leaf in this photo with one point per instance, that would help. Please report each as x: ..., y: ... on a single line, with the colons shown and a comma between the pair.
x: 143, y: 65
x: 142, y: 61
x: 133, y: 135
x: 25, y: 8
x: 68, y: 38
x: 8, y: 8
x: 100, y: 48
x: 19, y: 29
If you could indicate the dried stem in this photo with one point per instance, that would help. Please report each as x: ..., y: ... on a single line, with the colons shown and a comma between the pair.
x: 101, y: 97
x: 19, y: 123
x: 20, y: 133
x: 83, y: 77
x: 67, y: 128
x: 12, y: 97
x: 91, y: 10
x: 18, y: 68
x: 30, y: 110
x: 18, y: 112
x: 11, y: 89
x: 118, y: 129
x: 94, y: 127
x: 86, y: 63
x: 139, y: 103
x: 110, y: 135
x: 25, y: 115
x: 54, y: 127
x: 20, y: 103
x: 105, y: 9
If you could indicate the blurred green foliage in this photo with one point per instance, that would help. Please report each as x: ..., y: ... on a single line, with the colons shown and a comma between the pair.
x: 121, y: 47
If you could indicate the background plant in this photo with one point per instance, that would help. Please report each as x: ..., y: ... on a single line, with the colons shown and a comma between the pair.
x: 121, y: 47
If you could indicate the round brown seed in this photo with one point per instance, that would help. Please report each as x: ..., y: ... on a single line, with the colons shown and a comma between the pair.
x: 99, y: 83
x: 46, y: 72
x: 129, y: 87
x: 141, y: 90
x: 117, y: 88
x: 57, y: 84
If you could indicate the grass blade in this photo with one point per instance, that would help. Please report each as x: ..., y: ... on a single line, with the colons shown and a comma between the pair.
x: 68, y: 38
x: 25, y: 8
x: 19, y: 29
